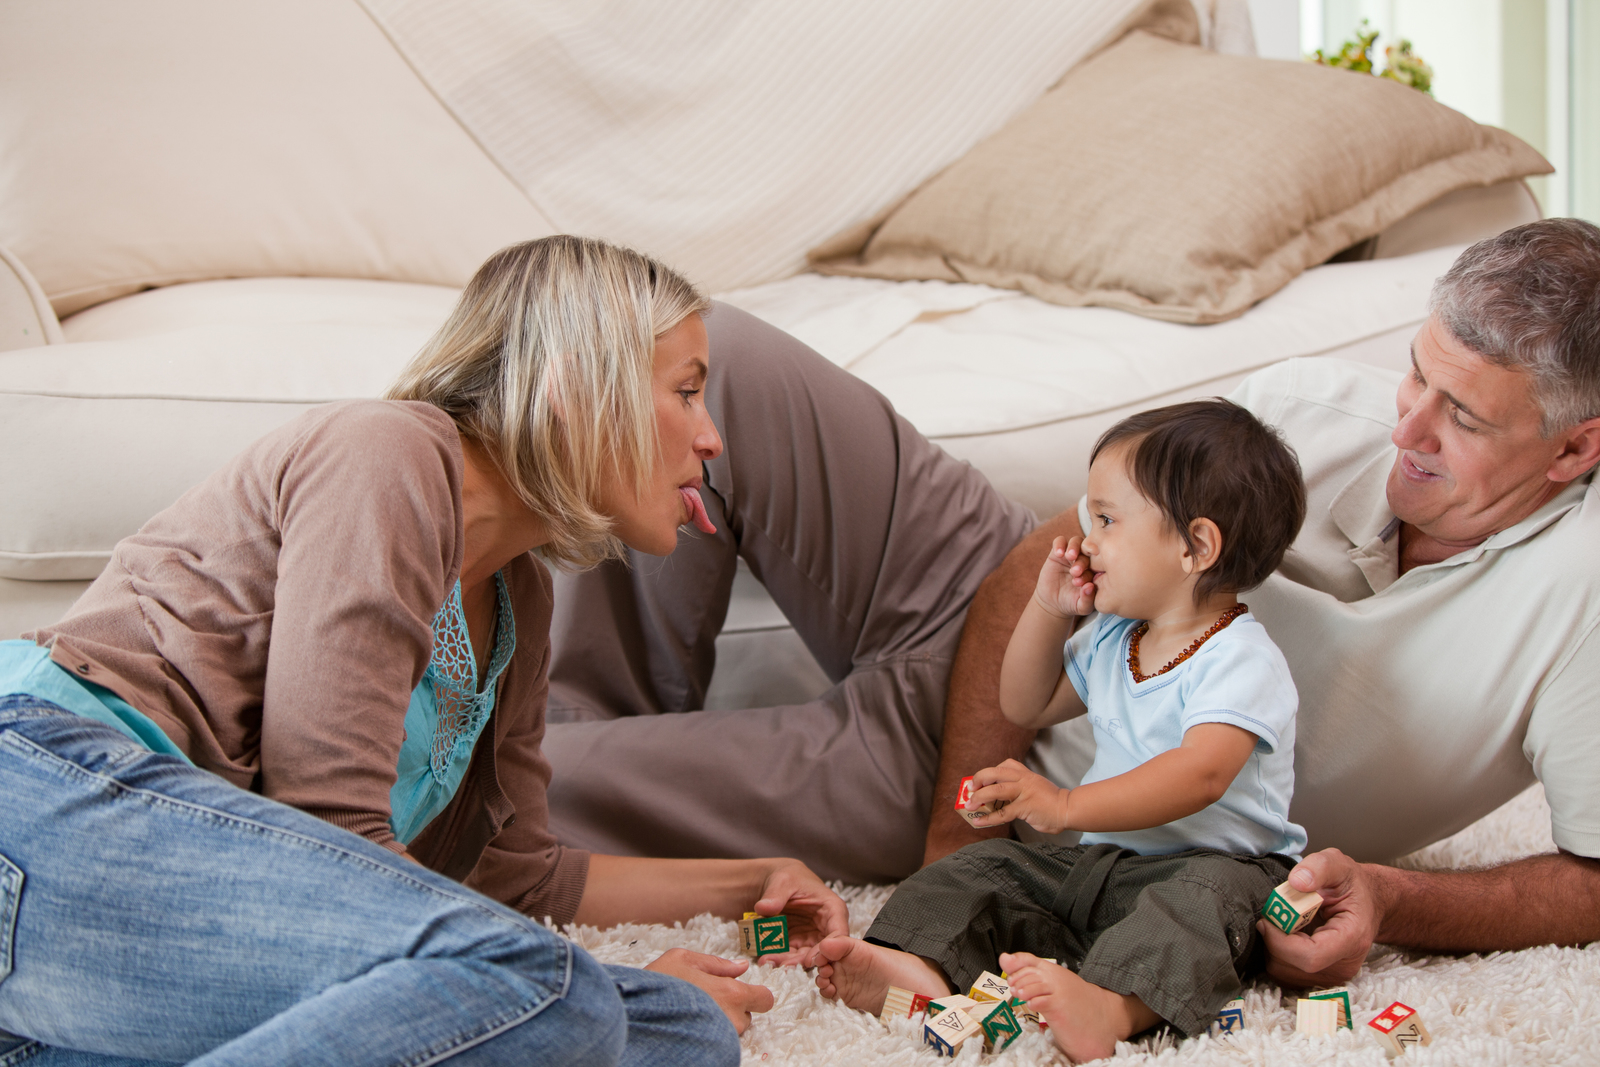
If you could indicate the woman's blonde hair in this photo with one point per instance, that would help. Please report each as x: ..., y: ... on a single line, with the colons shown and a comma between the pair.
x: 546, y: 364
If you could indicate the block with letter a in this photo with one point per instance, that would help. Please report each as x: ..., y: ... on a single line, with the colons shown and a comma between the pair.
x: 947, y: 1030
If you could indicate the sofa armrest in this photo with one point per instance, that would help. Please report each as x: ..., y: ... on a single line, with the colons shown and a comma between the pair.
x: 26, y: 318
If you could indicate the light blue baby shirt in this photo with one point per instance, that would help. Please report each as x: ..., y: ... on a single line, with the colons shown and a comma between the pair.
x: 1238, y: 677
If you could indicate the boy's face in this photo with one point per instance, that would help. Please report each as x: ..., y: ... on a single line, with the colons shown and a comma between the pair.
x: 1136, y: 555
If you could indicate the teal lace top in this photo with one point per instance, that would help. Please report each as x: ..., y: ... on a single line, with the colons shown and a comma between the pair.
x: 447, y: 713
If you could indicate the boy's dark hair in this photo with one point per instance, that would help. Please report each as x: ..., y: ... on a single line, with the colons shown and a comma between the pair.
x: 1212, y: 459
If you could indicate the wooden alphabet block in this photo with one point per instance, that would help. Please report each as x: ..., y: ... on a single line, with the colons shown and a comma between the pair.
x: 955, y: 1001
x: 1399, y: 1028
x: 761, y: 937
x: 897, y: 1004
x: 1230, y: 1020
x: 947, y: 1030
x: 990, y: 987
x: 998, y: 1023
x: 964, y: 795
x: 1316, y: 1017
x: 1289, y: 909
x: 919, y: 1003
x: 1020, y: 1009
x: 1341, y: 997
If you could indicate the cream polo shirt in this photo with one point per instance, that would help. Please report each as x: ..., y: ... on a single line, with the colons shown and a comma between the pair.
x: 1428, y: 699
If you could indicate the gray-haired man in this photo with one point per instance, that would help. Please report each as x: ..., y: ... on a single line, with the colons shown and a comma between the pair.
x: 1439, y: 613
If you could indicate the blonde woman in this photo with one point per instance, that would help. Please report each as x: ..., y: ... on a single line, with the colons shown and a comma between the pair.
x: 349, y: 619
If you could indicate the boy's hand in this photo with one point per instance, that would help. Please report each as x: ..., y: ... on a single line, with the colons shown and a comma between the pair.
x: 1066, y: 581
x: 1033, y: 798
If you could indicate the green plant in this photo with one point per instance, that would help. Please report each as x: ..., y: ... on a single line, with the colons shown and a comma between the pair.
x: 1401, y: 64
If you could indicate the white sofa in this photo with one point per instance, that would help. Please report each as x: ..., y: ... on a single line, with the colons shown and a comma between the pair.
x: 214, y: 215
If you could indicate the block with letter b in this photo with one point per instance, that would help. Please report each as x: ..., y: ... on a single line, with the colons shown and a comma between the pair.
x: 1289, y: 909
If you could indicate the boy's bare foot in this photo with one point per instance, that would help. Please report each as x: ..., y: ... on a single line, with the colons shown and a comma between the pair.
x: 860, y: 973
x: 1085, y: 1020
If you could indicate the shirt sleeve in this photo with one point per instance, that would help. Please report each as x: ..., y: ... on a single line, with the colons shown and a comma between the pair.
x: 1079, y: 653
x: 1563, y: 745
x: 523, y: 866
x: 1244, y: 683
x: 367, y: 512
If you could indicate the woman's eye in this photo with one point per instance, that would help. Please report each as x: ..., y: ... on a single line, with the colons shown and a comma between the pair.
x: 688, y: 394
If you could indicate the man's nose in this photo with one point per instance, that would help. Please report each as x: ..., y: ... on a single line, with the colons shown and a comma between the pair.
x: 1414, y: 432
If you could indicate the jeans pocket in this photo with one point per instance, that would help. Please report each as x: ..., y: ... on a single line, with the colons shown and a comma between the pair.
x: 10, y: 897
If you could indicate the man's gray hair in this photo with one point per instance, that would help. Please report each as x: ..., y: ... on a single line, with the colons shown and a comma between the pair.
x: 1529, y: 300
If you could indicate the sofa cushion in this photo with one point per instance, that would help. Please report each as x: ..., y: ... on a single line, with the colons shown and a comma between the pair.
x: 1185, y: 185
x: 730, y: 138
x: 170, y: 140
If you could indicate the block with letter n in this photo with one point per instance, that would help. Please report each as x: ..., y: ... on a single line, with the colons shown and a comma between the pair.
x: 1399, y: 1028
x: 998, y: 1022
x: 761, y: 937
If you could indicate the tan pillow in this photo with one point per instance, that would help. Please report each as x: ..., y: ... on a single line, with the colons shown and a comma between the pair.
x: 1177, y: 183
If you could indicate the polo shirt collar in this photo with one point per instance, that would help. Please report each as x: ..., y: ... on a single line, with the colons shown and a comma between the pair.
x: 1361, y: 511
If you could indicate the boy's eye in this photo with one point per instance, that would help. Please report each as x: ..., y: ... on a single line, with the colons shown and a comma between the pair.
x: 1105, y: 520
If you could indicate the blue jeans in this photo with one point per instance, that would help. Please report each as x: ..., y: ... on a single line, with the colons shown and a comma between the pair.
x: 153, y: 913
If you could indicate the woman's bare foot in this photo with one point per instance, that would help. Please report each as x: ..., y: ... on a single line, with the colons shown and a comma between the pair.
x: 1085, y: 1020
x: 860, y: 973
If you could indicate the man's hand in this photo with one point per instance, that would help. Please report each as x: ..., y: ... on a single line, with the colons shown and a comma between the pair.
x: 1066, y: 582
x: 1033, y: 798
x: 719, y: 978
x: 1332, y: 949
x: 814, y: 911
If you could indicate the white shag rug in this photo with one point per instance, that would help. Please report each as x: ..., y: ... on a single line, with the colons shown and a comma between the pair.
x: 1538, y: 1006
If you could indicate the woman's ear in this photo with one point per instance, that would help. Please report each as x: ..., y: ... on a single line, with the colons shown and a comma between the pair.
x: 1206, y: 538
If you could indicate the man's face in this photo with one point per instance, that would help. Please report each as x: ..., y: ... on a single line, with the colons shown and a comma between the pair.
x: 1471, y: 460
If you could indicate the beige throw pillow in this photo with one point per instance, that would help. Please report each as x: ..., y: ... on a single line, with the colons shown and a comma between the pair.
x: 1177, y: 183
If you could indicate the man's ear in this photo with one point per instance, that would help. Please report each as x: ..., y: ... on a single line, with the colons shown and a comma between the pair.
x: 1580, y: 451
x: 1207, y: 541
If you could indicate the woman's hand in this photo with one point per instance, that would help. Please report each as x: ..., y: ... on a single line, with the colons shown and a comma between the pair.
x: 814, y: 911
x: 1066, y: 581
x: 719, y: 978
x: 1018, y: 793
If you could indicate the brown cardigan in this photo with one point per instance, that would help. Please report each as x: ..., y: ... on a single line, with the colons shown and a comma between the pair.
x: 275, y: 620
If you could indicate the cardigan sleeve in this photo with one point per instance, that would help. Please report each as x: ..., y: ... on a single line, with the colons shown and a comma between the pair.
x: 523, y: 865
x: 368, y: 511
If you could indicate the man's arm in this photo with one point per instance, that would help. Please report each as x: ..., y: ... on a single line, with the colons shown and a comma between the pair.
x: 976, y: 735
x: 1540, y: 900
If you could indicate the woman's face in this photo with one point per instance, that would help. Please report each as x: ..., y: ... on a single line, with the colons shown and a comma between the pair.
x: 649, y: 521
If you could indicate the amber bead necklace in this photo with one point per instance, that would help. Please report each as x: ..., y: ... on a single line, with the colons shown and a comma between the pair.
x: 1139, y: 631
